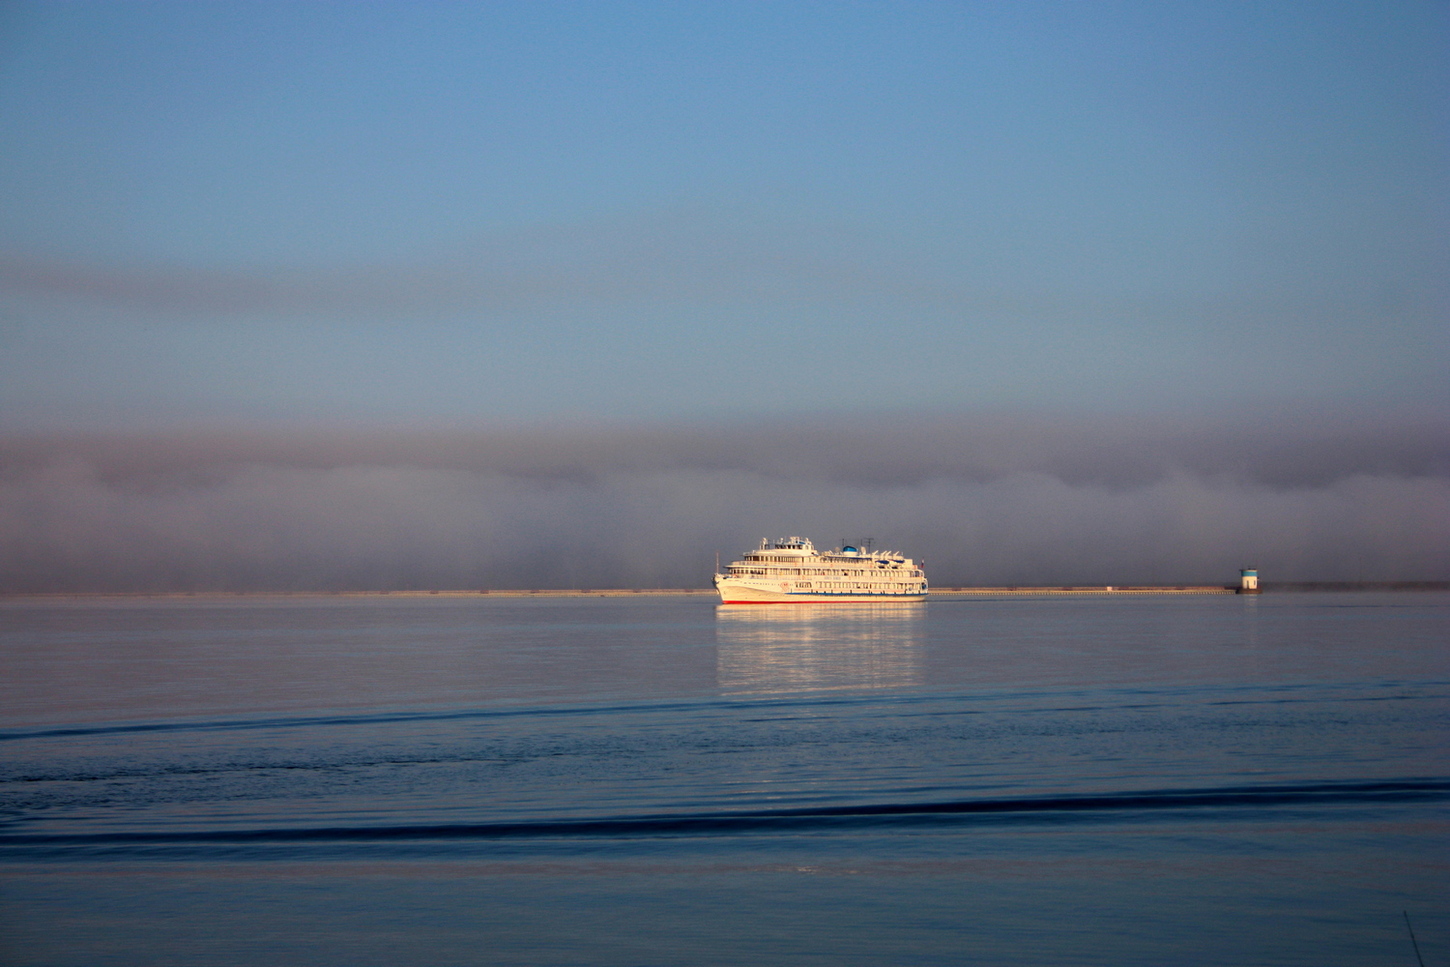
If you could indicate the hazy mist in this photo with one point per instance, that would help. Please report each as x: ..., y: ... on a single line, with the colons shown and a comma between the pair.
x: 985, y: 500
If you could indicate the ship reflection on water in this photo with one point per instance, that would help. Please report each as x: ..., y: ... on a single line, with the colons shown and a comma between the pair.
x: 764, y: 649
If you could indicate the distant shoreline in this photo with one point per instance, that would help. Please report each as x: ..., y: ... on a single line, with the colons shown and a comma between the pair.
x: 943, y: 592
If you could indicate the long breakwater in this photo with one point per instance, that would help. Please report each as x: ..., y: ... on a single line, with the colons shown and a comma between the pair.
x: 597, y: 592
x: 938, y: 592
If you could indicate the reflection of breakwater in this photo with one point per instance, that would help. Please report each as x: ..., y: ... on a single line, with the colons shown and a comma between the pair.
x: 712, y: 593
x: 761, y: 649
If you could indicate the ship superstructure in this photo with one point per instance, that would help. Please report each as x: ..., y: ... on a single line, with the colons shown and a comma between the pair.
x: 792, y: 570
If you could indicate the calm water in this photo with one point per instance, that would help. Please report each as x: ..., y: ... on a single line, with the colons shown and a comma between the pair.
x: 1148, y: 780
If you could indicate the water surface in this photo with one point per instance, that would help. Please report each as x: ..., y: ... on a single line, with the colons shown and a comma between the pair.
x: 1201, y: 780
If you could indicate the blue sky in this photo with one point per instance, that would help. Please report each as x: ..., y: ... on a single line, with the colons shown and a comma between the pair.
x: 281, y: 213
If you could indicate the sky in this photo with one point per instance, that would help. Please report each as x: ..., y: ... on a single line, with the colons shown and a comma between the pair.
x: 581, y: 293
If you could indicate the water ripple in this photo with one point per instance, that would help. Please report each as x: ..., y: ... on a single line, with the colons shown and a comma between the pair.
x: 1046, y: 808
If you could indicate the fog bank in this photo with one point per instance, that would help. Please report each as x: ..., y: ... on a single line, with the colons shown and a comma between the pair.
x: 1016, y: 500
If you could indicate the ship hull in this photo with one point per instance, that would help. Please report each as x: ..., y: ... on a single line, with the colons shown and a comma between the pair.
x: 737, y: 593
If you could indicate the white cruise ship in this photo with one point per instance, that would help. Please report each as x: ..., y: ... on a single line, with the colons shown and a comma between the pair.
x: 792, y: 570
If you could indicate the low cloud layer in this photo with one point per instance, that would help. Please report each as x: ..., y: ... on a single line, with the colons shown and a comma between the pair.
x: 1003, y: 500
